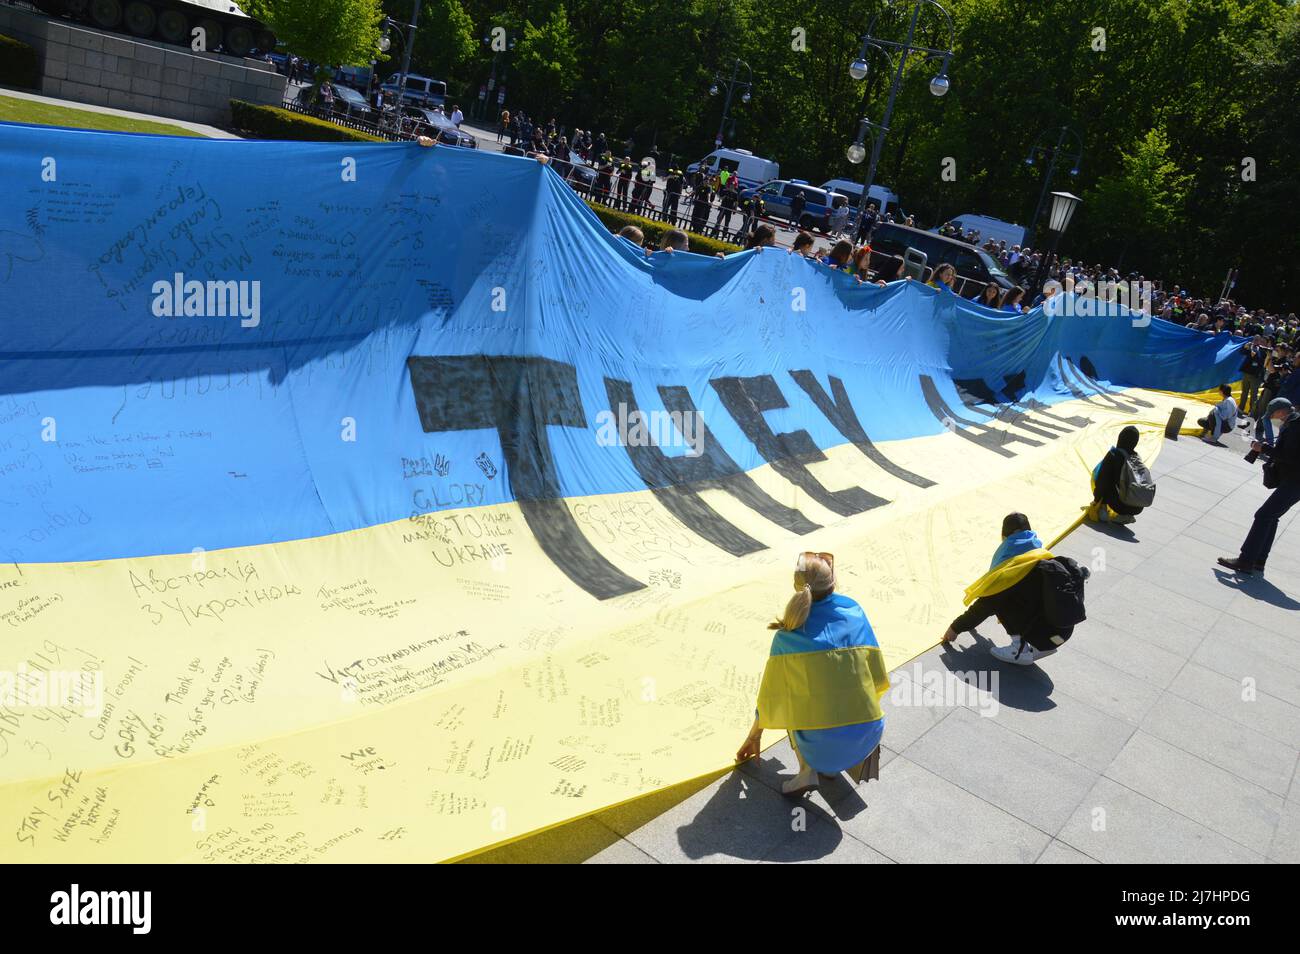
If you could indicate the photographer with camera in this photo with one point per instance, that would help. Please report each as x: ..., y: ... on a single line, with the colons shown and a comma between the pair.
x: 1282, y: 476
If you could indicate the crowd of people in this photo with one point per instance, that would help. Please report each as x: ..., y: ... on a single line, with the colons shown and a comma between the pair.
x: 1171, y: 301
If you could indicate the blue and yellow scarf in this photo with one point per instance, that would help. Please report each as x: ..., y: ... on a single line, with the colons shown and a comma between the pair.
x: 1012, y: 561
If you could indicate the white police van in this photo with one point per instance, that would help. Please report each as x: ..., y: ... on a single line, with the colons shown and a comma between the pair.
x: 752, y: 170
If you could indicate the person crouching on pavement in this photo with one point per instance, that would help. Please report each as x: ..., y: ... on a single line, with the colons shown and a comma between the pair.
x: 1110, y: 487
x: 1282, y: 475
x: 1013, y: 591
x: 1222, y: 419
x: 823, y: 682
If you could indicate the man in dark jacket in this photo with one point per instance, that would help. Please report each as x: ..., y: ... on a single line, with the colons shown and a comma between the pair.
x: 1252, y: 370
x: 866, y: 224
x: 797, y: 206
x: 672, y: 194
x: 1284, y: 457
x: 1019, y: 606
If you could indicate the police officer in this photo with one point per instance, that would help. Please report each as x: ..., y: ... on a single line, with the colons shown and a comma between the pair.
x: 701, y: 199
x: 604, y: 173
x: 624, y: 180
x: 641, y: 191
x: 752, y: 209
x: 726, y: 206
x: 672, y: 193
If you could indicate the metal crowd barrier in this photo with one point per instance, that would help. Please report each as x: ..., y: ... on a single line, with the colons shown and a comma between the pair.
x: 350, y: 122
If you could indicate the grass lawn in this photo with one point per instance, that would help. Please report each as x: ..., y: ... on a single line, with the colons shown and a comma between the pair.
x: 42, y: 114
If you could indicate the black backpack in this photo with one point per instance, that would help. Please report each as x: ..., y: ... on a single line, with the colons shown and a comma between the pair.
x: 1062, y: 580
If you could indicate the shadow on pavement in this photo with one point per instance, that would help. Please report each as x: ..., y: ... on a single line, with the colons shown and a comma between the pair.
x: 1256, y: 587
x: 1116, y: 531
x: 728, y: 822
x: 1028, y: 688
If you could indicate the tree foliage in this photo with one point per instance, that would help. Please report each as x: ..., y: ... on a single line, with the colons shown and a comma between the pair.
x: 1184, y: 89
x: 444, y: 37
x: 327, y: 32
x: 546, y: 58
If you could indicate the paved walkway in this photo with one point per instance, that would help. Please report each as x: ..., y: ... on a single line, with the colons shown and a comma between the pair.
x: 1167, y: 730
x: 212, y: 132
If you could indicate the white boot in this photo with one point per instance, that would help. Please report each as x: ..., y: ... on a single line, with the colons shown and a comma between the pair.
x: 803, y: 782
x: 800, y: 784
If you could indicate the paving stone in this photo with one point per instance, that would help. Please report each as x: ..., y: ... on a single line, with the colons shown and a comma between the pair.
x: 1059, y: 853
x: 1126, y: 651
x: 1246, y: 706
x: 980, y: 754
x: 1111, y: 691
x: 1189, y: 579
x: 915, y: 816
x: 1116, y: 825
x: 739, y: 819
x: 1245, y: 753
x: 1285, y: 847
x: 1200, y: 790
x: 910, y: 710
x: 1244, y: 651
x: 825, y: 843
x: 1261, y: 601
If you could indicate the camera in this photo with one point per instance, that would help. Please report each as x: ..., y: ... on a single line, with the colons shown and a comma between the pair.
x: 1252, y: 457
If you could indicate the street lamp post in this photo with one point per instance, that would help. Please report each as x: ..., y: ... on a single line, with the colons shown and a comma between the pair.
x: 1058, y: 220
x: 493, y: 81
x: 1054, y: 153
x: 858, y: 69
x: 406, y: 53
x: 731, y: 85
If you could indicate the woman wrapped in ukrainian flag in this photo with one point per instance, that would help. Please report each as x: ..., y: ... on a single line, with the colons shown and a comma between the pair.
x: 823, y: 682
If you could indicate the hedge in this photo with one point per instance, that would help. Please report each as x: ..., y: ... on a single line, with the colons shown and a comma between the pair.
x: 19, y: 64
x: 654, y: 231
x: 271, y: 122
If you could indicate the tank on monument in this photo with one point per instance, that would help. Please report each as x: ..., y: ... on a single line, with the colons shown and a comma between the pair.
x: 225, y: 26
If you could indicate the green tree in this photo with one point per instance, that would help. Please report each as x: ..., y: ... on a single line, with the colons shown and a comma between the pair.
x: 1142, y: 203
x: 327, y: 32
x: 444, y: 38
x: 546, y: 59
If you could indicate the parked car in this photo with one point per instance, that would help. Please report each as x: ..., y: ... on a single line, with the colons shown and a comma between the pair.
x: 990, y: 228
x: 752, y: 170
x: 576, y: 172
x: 280, y: 61
x: 889, y: 243
x: 420, y: 90
x: 433, y: 123
x: 778, y: 195
x: 347, y: 101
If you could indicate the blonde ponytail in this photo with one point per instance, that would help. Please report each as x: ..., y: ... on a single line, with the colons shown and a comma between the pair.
x: 796, y: 611
x: 814, y: 579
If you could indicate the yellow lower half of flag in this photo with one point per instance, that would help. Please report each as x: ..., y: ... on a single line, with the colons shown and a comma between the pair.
x: 425, y: 689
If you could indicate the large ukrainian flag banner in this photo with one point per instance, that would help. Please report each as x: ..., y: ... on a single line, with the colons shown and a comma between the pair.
x: 373, y: 503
